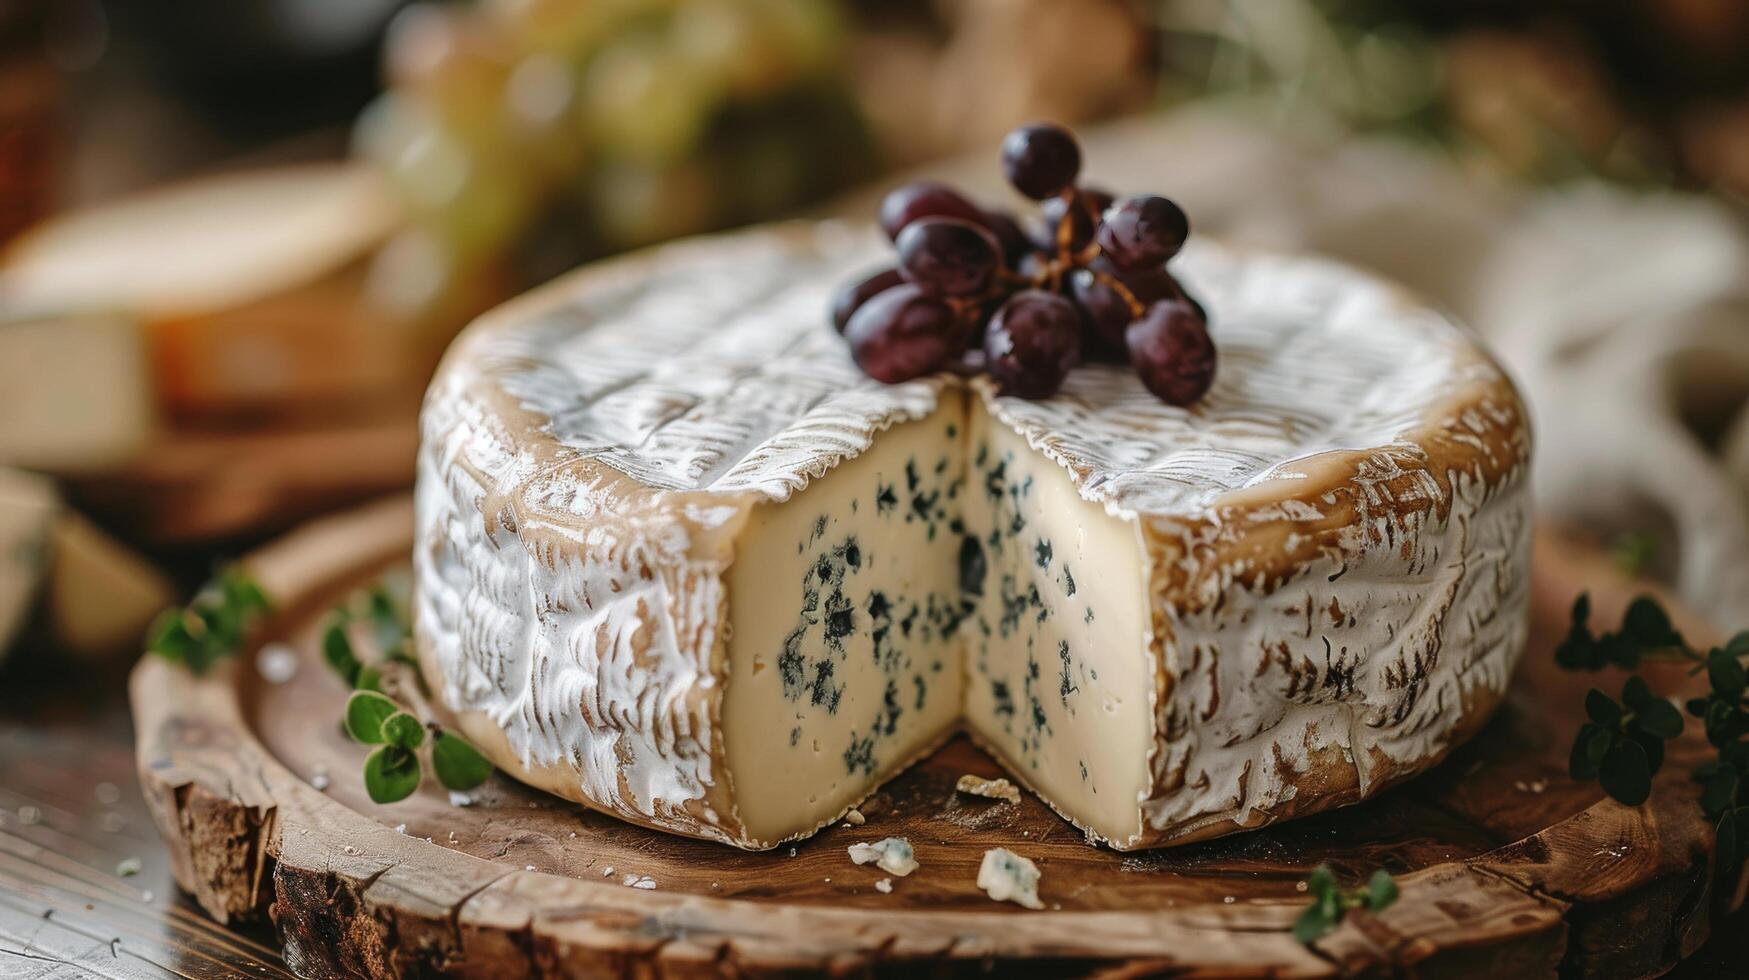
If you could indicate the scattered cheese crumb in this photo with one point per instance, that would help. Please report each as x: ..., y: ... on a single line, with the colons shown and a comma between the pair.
x: 892, y: 855
x: 884, y: 886
x: 792, y: 852
x: 607, y: 872
x: 128, y: 867
x: 994, y: 789
x: 528, y: 867
x: 1007, y: 877
x: 400, y: 828
x: 460, y: 799
x: 1533, y: 786
x: 855, y: 818
x: 639, y: 881
x: 319, y: 779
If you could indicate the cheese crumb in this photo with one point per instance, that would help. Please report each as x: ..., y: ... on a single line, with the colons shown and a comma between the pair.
x: 892, y: 855
x: 884, y: 886
x: 994, y: 789
x: 855, y: 818
x: 1007, y: 877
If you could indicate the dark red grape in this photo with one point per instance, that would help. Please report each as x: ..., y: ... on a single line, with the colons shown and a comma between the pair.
x: 1041, y: 160
x: 901, y: 334
x: 1082, y: 211
x: 1032, y: 342
x: 1009, y: 235
x: 924, y: 199
x: 1106, y: 310
x: 850, y: 298
x: 948, y: 257
x: 1172, y: 352
x: 1142, y: 231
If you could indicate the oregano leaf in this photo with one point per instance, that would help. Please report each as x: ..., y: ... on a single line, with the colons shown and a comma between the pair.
x: 1314, y: 923
x: 1635, y: 693
x: 1720, y: 793
x: 391, y: 774
x: 1726, y: 675
x: 1648, y: 623
x: 1625, y: 773
x: 365, y: 713
x: 1582, y: 762
x: 458, y: 765
x: 1600, y: 709
x: 403, y: 730
x: 338, y: 653
x: 1659, y: 718
x: 1381, y: 891
x: 369, y: 679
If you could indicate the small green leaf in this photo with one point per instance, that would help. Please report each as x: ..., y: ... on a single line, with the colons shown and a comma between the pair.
x: 369, y: 679
x: 168, y: 637
x: 1625, y: 773
x: 1600, y: 709
x: 1652, y: 746
x: 403, y: 730
x: 1648, y: 623
x: 1582, y: 762
x: 1381, y: 891
x: 1581, y: 614
x: 1636, y: 693
x: 1725, y: 839
x: 337, y: 651
x: 1726, y: 675
x: 391, y: 774
x: 365, y: 713
x: 1739, y: 645
x: 1313, y: 924
x: 458, y: 765
x: 1659, y: 718
x: 1720, y: 793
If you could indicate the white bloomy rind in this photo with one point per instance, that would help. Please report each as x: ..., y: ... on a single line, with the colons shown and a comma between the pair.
x: 1336, y: 539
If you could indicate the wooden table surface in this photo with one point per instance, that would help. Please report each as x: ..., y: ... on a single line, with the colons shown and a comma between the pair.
x: 73, y: 829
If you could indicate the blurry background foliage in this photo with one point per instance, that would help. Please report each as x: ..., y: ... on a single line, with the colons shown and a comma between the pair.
x: 526, y: 135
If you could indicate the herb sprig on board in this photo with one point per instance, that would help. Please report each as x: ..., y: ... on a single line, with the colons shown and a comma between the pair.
x: 1622, y: 743
x: 360, y: 641
x: 214, y: 624
x: 1331, y: 902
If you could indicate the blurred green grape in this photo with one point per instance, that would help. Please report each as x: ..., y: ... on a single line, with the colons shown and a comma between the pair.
x: 536, y: 133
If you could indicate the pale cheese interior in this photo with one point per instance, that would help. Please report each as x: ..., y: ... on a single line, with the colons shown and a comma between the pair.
x: 950, y: 574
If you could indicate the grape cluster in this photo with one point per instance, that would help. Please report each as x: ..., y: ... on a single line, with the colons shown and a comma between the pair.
x: 974, y: 288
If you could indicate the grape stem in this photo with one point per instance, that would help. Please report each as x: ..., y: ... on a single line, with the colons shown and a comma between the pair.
x: 1123, y: 292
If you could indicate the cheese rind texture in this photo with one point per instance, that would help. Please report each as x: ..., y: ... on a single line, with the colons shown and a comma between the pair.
x: 649, y: 578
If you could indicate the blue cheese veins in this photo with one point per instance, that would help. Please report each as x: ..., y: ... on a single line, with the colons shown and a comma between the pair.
x: 892, y: 855
x: 1007, y: 877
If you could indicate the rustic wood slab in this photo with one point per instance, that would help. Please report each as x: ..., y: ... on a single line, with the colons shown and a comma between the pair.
x: 1506, y: 865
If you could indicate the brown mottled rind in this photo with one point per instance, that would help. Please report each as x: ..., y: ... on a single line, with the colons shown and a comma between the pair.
x: 1337, y: 538
x: 1506, y: 867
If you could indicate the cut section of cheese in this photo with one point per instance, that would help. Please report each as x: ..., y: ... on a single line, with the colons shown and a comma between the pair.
x: 75, y: 393
x: 95, y: 595
x: 27, y: 518
x: 845, y: 609
x: 681, y: 562
x: 101, y: 594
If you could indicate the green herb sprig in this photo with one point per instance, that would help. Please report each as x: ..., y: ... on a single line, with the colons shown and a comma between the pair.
x: 214, y: 624
x: 393, y: 770
x: 1622, y: 744
x: 1331, y: 902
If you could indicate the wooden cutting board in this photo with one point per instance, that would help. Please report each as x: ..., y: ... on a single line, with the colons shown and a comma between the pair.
x: 1506, y: 865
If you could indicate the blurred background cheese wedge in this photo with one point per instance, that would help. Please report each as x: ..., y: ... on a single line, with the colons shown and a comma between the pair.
x: 66, y: 581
